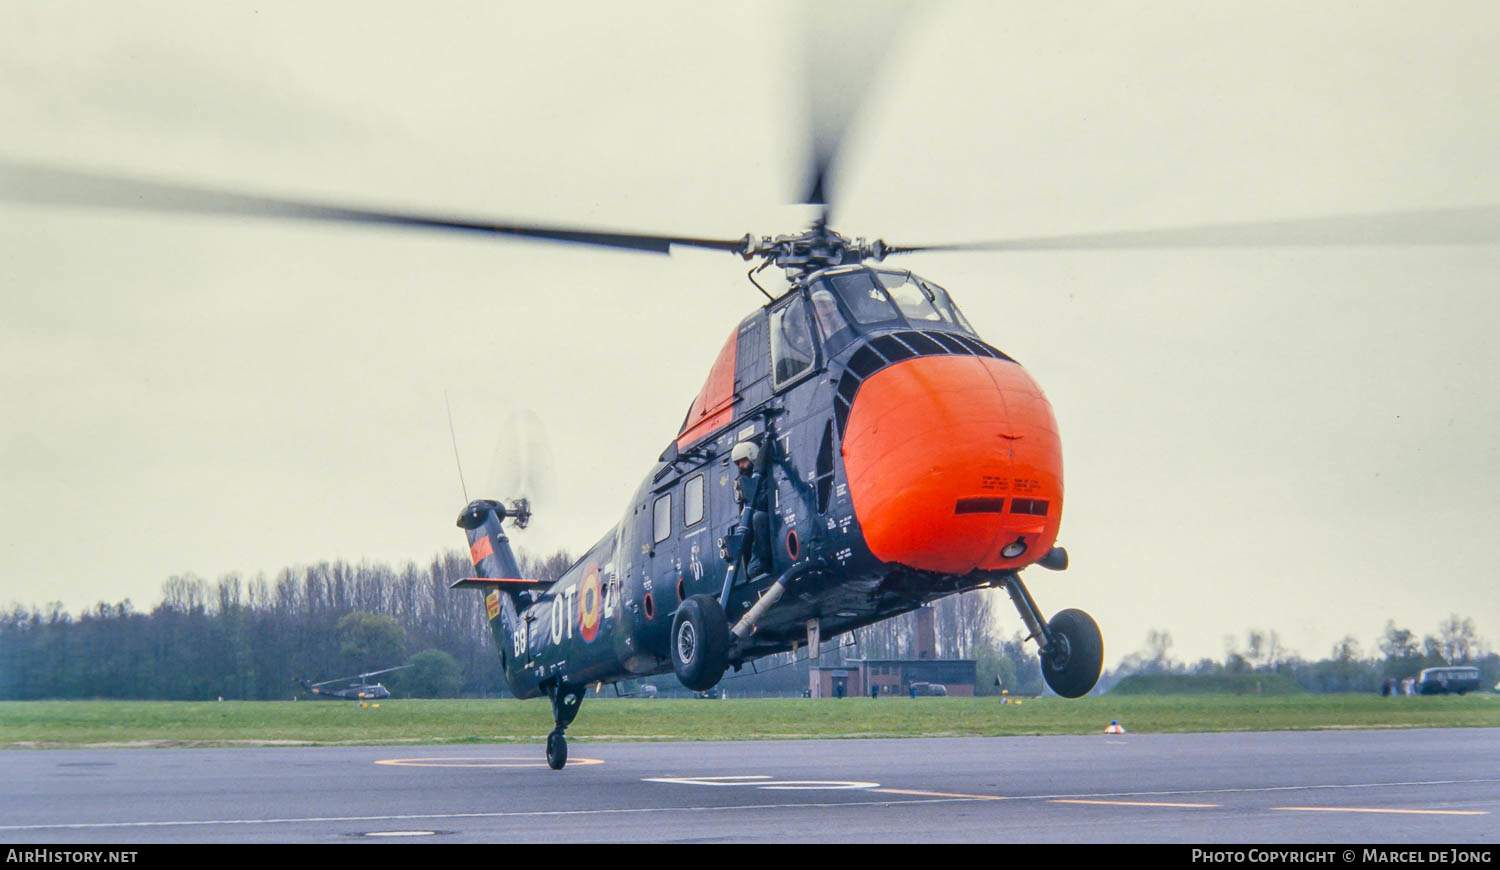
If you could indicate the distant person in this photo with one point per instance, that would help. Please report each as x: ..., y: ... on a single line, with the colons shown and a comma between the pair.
x: 874, y: 692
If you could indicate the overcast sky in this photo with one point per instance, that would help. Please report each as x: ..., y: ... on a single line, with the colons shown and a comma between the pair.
x: 1301, y: 440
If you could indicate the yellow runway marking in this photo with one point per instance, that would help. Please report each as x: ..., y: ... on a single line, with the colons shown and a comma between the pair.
x: 1128, y: 803
x: 982, y: 797
x: 479, y: 761
x: 1380, y: 810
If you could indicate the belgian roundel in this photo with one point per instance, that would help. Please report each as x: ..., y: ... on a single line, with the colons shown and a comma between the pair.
x: 590, y: 604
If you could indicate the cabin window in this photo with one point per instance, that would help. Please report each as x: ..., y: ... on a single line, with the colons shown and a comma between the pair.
x: 824, y: 468
x: 692, y: 501
x: 791, y: 341
x: 663, y: 519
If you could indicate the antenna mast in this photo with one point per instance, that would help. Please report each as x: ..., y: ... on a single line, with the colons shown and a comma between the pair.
x: 454, y: 435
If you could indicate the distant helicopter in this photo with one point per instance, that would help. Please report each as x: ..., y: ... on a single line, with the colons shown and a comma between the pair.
x: 857, y: 451
x: 358, y: 688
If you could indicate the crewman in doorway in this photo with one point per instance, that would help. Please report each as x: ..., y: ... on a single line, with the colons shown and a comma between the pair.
x: 749, y: 489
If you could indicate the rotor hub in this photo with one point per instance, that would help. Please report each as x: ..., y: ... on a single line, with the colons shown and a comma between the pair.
x: 816, y: 248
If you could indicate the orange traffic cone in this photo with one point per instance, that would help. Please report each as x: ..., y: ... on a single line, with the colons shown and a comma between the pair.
x: 1114, y: 727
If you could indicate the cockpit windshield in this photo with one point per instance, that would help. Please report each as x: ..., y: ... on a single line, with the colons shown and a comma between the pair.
x: 893, y: 296
x: 909, y: 297
x: 866, y: 302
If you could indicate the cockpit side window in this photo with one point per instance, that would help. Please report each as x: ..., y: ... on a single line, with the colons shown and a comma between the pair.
x: 792, y: 350
x: 826, y: 309
x: 867, y: 302
x: 945, y: 306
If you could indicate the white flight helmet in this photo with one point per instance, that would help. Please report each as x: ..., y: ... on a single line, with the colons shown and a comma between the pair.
x: 744, y: 450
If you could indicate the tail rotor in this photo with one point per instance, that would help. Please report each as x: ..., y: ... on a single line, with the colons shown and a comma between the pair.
x: 522, y: 468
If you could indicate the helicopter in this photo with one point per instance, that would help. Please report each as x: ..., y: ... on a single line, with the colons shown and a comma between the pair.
x: 358, y: 689
x: 856, y: 451
x: 820, y: 380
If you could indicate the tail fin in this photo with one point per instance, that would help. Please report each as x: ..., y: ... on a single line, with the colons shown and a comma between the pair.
x: 489, y: 548
x: 499, y: 574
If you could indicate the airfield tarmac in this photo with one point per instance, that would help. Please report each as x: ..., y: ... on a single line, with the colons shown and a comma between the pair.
x: 1386, y: 787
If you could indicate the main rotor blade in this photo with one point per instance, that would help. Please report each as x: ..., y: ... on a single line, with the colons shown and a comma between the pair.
x: 1453, y: 226
x: 51, y: 186
x: 386, y: 671
x: 334, y: 680
x: 840, y: 63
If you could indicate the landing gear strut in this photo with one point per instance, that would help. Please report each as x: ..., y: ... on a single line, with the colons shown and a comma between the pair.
x: 565, y: 703
x: 1072, y: 650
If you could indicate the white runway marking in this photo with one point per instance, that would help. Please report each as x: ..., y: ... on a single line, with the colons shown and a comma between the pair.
x: 518, y: 814
x: 761, y: 780
x: 480, y: 761
x: 1102, y: 799
x: 1265, y: 788
x: 432, y: 816
x: 1383, y: 810
x: 1130, y: 803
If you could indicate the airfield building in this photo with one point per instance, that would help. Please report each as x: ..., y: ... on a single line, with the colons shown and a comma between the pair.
x: 893, y: 677
x: 855, y: 677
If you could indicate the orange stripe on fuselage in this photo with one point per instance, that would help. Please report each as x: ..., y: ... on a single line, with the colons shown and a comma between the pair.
x: 927, y: 433
x: 714, y: 406
x: 481, y: 548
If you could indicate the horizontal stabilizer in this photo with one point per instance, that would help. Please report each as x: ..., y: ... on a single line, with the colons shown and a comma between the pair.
x: 488, y: 582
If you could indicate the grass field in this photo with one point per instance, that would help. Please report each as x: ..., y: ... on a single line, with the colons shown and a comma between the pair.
x: 32, y: 724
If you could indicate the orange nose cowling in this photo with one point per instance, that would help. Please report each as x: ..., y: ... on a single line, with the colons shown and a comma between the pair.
x: 951, y: 459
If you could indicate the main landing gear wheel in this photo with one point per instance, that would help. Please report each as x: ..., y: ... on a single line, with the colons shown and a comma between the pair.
x: 565, y: 703
x: 1071, y: 664
x: 700, y: 643
x: 557, y: 750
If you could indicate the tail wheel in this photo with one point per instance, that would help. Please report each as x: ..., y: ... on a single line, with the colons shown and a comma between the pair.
x: 1072, y: 663
x: 557, y: 750
x: 700, y: 643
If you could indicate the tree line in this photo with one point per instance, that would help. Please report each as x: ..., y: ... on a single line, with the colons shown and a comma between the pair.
x: 253, y: 639
x: 1399, y: 653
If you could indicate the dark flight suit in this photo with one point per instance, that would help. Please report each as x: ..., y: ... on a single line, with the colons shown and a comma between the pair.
x: 758, y: 545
